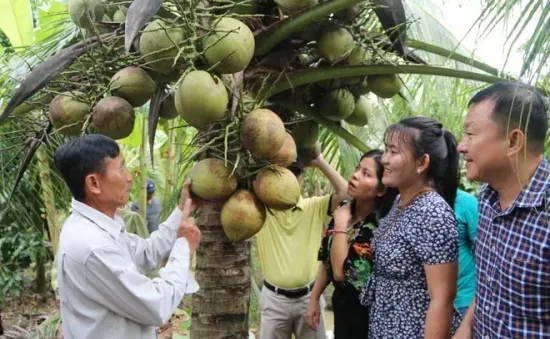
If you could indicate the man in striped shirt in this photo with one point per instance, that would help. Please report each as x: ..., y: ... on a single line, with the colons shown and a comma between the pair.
x: 503, y: 146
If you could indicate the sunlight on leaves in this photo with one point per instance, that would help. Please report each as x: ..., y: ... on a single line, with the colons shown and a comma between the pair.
x: 51, y: 21
x: 16, y: 21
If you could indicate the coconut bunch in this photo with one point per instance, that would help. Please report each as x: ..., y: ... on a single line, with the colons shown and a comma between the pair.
x: 265, y: 182
x: 198, y: 61
x: 344, y: 99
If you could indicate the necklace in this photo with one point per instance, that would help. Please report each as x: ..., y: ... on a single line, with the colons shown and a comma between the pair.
x: 401, y: 209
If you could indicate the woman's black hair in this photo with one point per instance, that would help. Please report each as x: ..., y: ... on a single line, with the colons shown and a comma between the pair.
x: 427, y: 136
x: 384, y: 203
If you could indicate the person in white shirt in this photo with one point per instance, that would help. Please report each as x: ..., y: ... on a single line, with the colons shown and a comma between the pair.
x: 103, y: 290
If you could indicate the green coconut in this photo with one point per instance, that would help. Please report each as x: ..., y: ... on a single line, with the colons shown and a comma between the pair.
x: 286, y: 154
x: 168, y: 109
x: 335, y: 44
x: 337, y: 105
x: 241, y: 7
x: 68, y: 113
x: 201, y: 99
x: 159, y: 44
x: 242, y: 216
x: 362, y: 88
x: 263, y: 133
x: 119, y: 16
x: 113, y: 117
x: 85, y: 12
x: 348, y: 15
x: 358, y: 56
x: 292, y: 6
x: 277, y: 188
x: 32, y: 104
x: 359, y: 117
x: 212, y: 180
x: 384, y: 85
x: 306, y: 155
x: 230, y: 47
x: 305, y: 133
x: 331, y: 84
x: 133, y: 85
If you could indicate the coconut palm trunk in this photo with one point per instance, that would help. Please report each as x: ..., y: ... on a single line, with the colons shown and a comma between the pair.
x: 220, y: 307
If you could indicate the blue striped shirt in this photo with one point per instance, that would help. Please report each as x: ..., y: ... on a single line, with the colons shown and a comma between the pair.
x: 513, y: 263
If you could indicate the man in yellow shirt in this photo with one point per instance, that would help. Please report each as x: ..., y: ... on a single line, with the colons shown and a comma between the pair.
x: 288, y: 245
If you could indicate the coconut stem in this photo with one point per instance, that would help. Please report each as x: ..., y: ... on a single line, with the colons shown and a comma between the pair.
x: 307, y: 76
x: 426, y: 47
x: 268, y: 39
x: 332, y: 126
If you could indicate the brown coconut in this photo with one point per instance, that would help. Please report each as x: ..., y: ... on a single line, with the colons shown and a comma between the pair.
x: 277, y: 188
x: 287, y: 153
x: 242, y: 216
x: 68, y: 112
x: 212, y: 180
x: 133, y: 85
x: 263, y: 133
x: 113, y: 117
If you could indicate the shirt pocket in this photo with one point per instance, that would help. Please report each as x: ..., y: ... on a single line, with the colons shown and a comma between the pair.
x: 525, y: 285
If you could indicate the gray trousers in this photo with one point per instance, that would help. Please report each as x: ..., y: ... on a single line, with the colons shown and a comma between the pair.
x: 282, y: 317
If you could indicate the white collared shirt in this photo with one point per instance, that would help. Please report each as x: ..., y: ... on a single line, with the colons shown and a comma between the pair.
x: 103, y: 291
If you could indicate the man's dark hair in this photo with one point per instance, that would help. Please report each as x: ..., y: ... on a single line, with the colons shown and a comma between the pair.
x: 518, y: 106
x: 80, y: 157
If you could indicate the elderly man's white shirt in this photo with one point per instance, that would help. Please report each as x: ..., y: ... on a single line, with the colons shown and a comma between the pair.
x: 103, y: 291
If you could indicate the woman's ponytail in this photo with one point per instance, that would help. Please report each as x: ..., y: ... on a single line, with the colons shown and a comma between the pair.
x: 450, y: 179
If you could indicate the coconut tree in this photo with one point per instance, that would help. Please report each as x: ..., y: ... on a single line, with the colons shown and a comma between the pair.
x: 242, y: 74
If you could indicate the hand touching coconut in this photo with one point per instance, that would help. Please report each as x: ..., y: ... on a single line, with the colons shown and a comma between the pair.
x: 310, y: 156
x: 186, y: 194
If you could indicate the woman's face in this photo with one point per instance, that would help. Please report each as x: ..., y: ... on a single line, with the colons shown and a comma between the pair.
x: 400, y: 165
x: 364, y: 183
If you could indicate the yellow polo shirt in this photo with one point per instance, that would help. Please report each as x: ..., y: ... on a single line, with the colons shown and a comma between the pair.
x: 289, y: 241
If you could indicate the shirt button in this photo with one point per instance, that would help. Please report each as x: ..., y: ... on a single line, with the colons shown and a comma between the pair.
x: 486, y: 309
x: 486, y: 337
x: 493, y: 248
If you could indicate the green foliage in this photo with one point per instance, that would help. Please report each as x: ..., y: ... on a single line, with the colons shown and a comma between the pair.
x: 17, y: 251
x: 16, y: 22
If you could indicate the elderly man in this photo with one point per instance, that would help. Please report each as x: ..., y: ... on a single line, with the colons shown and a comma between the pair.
x: 103, y: 291
x: 503, y: 146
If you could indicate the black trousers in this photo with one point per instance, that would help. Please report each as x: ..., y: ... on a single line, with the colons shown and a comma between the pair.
x: 351, y: 319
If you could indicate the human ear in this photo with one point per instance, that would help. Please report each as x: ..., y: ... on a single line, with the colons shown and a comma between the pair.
x: 422, y: 163
x: 92, y: 184
x: 515, y: 141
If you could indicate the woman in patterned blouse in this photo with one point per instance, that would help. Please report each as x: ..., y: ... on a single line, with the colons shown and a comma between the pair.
x: 345, y: 251
x: 412, y: 288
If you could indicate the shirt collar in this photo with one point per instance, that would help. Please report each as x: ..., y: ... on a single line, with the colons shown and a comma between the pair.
x: 533, y: 194
x: 300, y: 204
x: 112, y: 226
